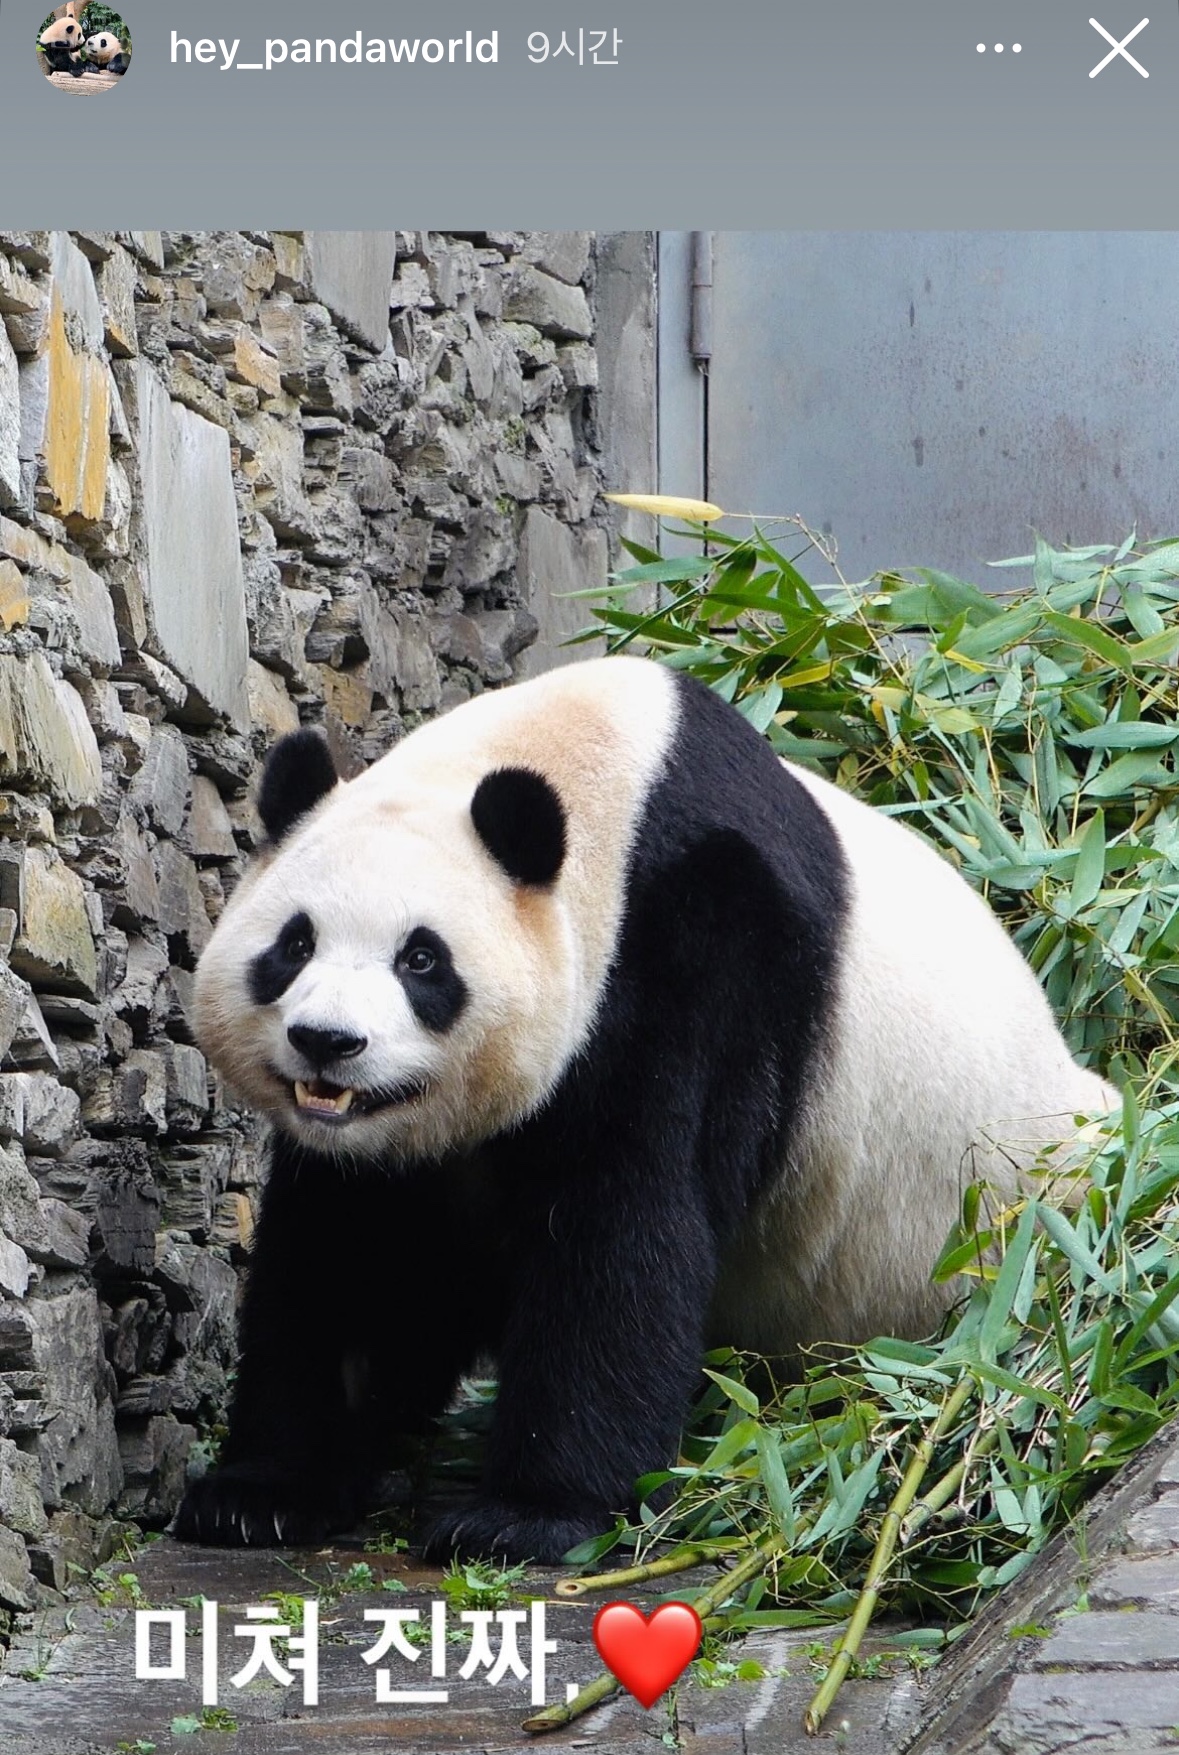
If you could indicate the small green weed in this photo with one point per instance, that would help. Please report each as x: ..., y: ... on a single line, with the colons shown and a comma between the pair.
x: 720, y: 1672
x: 216, y: 1718
x: 37, y: 1667
x: 876, y: 1666
x: 207, y: 1448
x: 478, y: 1584
x: 213, y: 1718
x: 419, y: 1633
x: 117, y: 1589
x: 291, y: 1608
x: 385, y: 1542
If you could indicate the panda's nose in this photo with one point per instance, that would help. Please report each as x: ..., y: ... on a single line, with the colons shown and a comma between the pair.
x: 322, y: 1046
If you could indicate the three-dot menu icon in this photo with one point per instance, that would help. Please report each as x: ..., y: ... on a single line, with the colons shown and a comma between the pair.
x: 1118, y: 48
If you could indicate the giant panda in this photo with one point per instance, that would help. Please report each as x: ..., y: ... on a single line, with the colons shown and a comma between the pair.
x: 61, y: 44
x: 591, y: 1035
x: 107, y: 53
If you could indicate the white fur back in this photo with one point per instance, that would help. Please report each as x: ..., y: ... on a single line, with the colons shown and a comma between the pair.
x: 945, y: 1064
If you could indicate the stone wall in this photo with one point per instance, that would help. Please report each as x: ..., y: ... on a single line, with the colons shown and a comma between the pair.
x: 247, y: 481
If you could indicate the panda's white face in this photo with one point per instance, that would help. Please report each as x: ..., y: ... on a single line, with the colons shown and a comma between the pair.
x: 381, y: 989
x: 62, y: 30
x: 103, y: 47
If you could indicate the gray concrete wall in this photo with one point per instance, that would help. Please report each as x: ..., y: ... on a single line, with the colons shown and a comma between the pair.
x: 626, y: 303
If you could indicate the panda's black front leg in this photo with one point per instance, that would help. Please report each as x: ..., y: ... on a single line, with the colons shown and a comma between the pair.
x: 324, y: 1380
x: 288, y: 1471
x: 600, y: 1357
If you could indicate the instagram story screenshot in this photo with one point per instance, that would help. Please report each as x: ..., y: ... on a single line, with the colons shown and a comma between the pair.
x: 589, y: 877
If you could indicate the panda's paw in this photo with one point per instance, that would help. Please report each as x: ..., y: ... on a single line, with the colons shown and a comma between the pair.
x: 497, y: 1529
x: 246, y: 1506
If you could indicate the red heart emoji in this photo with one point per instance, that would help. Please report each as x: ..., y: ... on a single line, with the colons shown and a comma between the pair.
x: 647, y: 1655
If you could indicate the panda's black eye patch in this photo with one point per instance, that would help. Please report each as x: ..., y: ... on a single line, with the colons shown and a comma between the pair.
x: 433, y: 986
x: 273, y: 970
x: 298, y: 940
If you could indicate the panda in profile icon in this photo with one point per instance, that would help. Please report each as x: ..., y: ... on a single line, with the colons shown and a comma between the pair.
x: 61, y: 44
x: 106, y: 53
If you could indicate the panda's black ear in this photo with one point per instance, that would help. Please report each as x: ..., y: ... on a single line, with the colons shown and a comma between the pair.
x: 521, y: 822
x: 299, y: 772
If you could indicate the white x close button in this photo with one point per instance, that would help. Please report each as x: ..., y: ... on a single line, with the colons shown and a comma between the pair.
x: 1119, y: 48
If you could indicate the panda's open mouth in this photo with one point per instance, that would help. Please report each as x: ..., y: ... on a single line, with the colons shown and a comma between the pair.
x: 340, y: 1103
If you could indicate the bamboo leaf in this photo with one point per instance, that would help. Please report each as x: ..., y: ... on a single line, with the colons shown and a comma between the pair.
x: 842, y: 1511
x: 1010, y: 691
x: 1023, y: 1388
x: 1007, y: 1504
x: 1003, y: 631
x: 736, y: 1392
x: 638, y: 552
x: 955, y: 596
x: 1128, y: 1399
x: 1005, y: 1286
x: 1145, y: 619
x: 1158, y: 649
x: 737, y: 1439
x: 759, y: 709
x: 1090, y: 870
x: 1067, y: 1241
x: 776, y: 1483
x: 1134, y: 734
x: 669, y: 572
x: 1075, y: 631
x: 1123, y: 774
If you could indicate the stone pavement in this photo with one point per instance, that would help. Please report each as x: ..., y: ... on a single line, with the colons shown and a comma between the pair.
x: 1083, y: 1654
x: 87, y: 1700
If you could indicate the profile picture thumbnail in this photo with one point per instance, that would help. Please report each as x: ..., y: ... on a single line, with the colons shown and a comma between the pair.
x: 84, y: 48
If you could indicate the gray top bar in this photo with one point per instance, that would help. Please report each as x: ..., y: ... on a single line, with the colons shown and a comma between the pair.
x: 846, y: 112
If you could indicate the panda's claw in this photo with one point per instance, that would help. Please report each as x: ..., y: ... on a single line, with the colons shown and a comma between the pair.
x: 247, y: 1506
x: 492, y: 1529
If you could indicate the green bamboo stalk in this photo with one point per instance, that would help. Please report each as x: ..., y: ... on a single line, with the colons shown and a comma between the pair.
x: 553, y: 1717
x: 882, y: 1555
x: 944, y: 1490
x: 679, y: 1559
x: 932, y: 1502
x: 767, y: 1549
x: 705, y: 1605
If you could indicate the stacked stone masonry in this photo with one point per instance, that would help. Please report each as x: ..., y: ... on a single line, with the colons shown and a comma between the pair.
x: 248, y: 481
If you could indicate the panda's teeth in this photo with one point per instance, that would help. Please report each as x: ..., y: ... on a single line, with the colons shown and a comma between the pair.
x: 321, y: 1101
